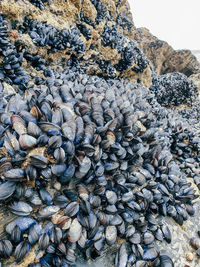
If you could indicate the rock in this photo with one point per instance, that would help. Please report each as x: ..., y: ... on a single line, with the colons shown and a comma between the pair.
x: 196, y: 79
x: 163, y: 57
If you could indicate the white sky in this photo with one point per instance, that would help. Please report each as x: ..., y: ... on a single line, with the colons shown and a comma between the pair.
x: 174, y: 21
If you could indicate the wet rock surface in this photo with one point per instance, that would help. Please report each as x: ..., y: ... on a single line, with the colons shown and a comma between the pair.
x: 95, y: 168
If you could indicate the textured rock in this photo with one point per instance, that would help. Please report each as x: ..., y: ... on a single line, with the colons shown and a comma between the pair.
x: 163, y: 57
x: 196, y: 79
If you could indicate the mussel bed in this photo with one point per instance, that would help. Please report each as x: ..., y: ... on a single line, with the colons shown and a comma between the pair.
x: 93, y: 163
x: 88, y: 163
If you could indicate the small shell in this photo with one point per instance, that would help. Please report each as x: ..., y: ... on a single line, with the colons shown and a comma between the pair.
x: 58, y: 169
x: 43, y: 241
x: 56, y: 235
x: 67, y: 175
x: 14, y: 175
x: 64, y: 222
x: 34, y: 234
x: 150, y: 254
x: 36, y: 112
x: 45, y: 196
x: 84, y: 167
x: 195, y: 242
x: 39, y: 161
x: 7, y: 189
x: 122, y: 256
x: 6, y: 248
x: 148, y: 238
x: 48, y: 211
x: 16, y: 234
x: 74, y: 231
x: 49, y: 128
x: 111, y: 235
x: 60, y: 201
x: 33, y: 129
x: 189, y: 256
x: 18, y: 124
x: 83, y: 192
x: 59, y: 155
x: 111, y: 197
x: 72, y: 209
x: 21, y: 250
x: 27, y: 141
x: 20, y: 208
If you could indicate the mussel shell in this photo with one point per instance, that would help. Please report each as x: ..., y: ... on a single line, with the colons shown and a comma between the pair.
x: 55, y: 142
x: 148, y: 238
x: 39, y: 161
x: 58, y: 169
x: 67, y: 175
x: 31, y: 173
x: 6, y: 248
x: 59, y: 155
x: 33, y: 129
x: 50, y: 128
x: 16, y: 234
x: 166, y: 261
x: 122, y: 256
x: 84, y: 167
x: 47, y: 211
x: 7, y: 189
x: 43, y: 241
x: 45, y: 196
x: 111, y: 235
x: 74, y: 231
x: 20, y: 208
x: 150, y: 254
x: 60, y: 201
x: 14, y: 175
x: 72, y: 209
x: 64, y: 222
x: 21, y: 250
x: 195, y: 242
x: 34, y: 234
x: 166, y: 233
x: 18, y: 124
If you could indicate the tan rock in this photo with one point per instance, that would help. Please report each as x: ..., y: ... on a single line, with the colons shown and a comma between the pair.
x: 163, y: 57
x: 196, y: 79
x: 89, y: 10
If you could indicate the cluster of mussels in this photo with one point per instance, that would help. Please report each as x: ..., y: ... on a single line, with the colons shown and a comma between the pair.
x: 39, y: 3
x: 44, y: 34
x: 11, y: 69
x: 87, y: 163
x: 174, y: 89
x: 129, y: 51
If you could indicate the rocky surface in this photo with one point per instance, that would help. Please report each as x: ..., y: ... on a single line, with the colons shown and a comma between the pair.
x: 164, y: 58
